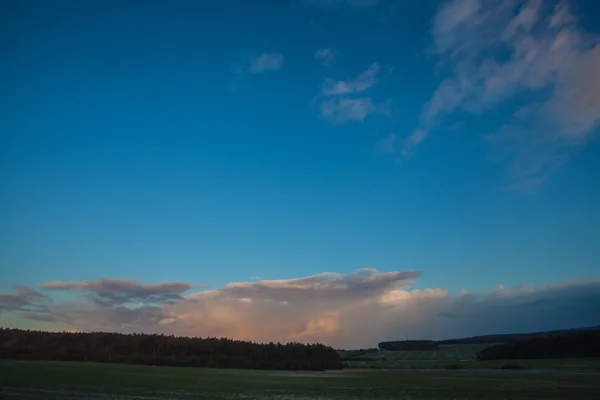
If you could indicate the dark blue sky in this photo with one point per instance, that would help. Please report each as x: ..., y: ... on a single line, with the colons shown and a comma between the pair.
x: 219, y: 141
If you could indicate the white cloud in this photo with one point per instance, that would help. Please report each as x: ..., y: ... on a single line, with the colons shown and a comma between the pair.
x: 327, y: 286
x: 413, y: 141
x: 325, y: 56
x: 359, y: 84
x: 257, y: 64
x: 341, y: 101
x: 448, y: 18
x: 344, y: 310
x: 499, y: 49
x: 266, y: 62
x: 341, y: 110
x: 524, y: 21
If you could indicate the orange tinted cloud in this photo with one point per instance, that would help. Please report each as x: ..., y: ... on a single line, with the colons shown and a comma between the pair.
x: 343, y: 310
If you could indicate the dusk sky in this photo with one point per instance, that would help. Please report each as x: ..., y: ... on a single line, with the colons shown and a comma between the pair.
x: 344, y: 171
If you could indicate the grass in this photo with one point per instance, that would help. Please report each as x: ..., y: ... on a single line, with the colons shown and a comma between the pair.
x: 449, y: 353
x: 547, y: 364
x: 70, y: 381
x: 462, y: 355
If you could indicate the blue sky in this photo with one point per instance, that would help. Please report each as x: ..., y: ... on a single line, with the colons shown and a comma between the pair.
x: 233, y: 141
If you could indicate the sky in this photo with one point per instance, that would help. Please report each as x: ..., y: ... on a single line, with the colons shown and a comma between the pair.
x: 343, y: 171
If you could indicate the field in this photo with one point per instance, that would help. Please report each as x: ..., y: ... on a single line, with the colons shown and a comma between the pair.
x: 463, y: 355
x: 448, y: 354
x: 71, y: 381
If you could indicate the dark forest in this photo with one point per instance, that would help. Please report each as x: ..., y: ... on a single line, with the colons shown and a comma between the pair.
x: 419, y: 345
x: 164, y: 350
x: 584, y: 343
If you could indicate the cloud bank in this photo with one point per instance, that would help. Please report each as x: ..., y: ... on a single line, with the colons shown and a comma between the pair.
x: 344, y: 310
x: 24, y: 300
x: 122, y: 291
x: 534, y: 51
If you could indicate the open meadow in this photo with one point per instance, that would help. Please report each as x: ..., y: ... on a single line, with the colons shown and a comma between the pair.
x: 76, y: 381
x: 447, y: 354
x: 456, y: 355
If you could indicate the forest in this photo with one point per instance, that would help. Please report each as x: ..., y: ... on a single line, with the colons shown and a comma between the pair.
x: 153, y: 349
x: 418, y: 345
x: 578, y: 344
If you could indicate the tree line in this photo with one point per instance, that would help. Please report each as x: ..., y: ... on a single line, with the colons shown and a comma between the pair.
x: 399, y: 345
x: 154, y: 349
x: 580, y: 344
x: 507, y: 337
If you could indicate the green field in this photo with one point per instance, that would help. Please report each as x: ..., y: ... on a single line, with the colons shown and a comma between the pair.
x: 451, y: 352
x: 71, y: 381
x: 448, y: 354
x: 463, y: 355
x: 579, y: 364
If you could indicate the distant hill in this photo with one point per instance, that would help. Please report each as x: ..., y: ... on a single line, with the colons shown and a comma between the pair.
x: 509, y: 337
x: 578, y: 343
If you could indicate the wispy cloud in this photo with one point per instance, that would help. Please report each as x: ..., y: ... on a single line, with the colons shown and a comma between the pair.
x: 23, y: 299
x: 121, y: 291
x: 325, y: 56
x: 497, y: 50
x: 27, y: 303
x: 262, y: 63
x: 412, y: 141
x: 266, y: 62
x: 329, y: 286
x: 359, y: 84
x: 346, y: 310
x: 341, y: 110
x: 342, y: 101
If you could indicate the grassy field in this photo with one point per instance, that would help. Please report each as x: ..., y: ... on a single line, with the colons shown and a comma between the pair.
x: 463, y: 355
x: 447, y: 354
x: 452, y: 352
x: 70, y: 381
x: 547, y: 364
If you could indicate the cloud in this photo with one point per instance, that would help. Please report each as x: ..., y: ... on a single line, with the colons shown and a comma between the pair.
x: 449, y: 18
x: 24, y: 299
x: 266, y: 62
x: 413, y: 141
x: 121, y: 291
x: 344, y: 310
x: 341, y: 101
x: 359, y: 84
x: 532, y: 52
x: 341, y: 110
x: 325, y: 56
x: 26, y: 303
x: 325, y: 286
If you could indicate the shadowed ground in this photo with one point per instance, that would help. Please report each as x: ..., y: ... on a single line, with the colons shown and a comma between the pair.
x: 69, y: 381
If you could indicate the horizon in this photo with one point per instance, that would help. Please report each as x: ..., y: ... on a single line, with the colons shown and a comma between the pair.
x: 340, y: 171
x: 74, y: 332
